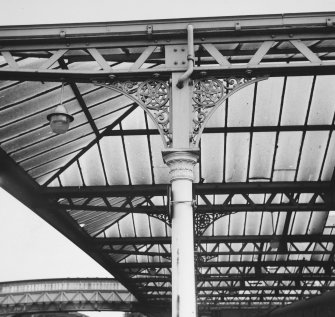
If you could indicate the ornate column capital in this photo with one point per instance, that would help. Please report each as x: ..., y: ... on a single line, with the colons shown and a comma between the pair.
x: 181, y: 162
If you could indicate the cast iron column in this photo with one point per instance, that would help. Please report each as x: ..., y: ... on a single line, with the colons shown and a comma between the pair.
x: 181, y: 159
x: 183, y: 271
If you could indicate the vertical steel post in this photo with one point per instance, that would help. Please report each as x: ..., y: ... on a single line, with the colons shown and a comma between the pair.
x: 181, y: 165
x: 181, y: 160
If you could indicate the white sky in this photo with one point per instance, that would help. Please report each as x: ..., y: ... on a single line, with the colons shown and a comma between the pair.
x: 29, y: 247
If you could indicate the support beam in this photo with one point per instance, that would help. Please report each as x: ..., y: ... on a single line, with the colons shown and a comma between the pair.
x: 265, y: 69
x: 238, y: 278
x: 313, y: 238
x: 230, y: 264
x: 200, y: 189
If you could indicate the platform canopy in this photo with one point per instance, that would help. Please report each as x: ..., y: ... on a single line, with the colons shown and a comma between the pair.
x: 264, y: 207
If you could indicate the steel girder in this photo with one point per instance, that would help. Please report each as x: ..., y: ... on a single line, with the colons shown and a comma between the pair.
x: 319, y: 200
x: 281, y: 45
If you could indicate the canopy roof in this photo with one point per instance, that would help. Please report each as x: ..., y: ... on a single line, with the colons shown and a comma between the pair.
x: 265, y: 212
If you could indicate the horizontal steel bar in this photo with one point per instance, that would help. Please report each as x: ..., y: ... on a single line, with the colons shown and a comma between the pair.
x: 298, y: 207
x: 246, y: 288
x: 270, y: 69
x: 238, y: 299
x: 288, y: 263
x: 248, y: 129
x: 245, y: 277
x: 38, y: 48
x: 219, y: 239
x: 226, y: 253
x: 204, y: 209
x: 205, y: 189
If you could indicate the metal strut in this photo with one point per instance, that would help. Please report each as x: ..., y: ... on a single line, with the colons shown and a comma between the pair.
x: 190, y: 57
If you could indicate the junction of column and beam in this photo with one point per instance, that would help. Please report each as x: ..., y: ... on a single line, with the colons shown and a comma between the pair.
x: 199, y: 167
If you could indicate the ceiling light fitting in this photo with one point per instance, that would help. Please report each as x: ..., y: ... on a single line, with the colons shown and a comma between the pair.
x: 60, y: 119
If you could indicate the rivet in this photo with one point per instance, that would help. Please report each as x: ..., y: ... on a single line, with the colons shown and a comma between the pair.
x: 168, y: 41
x: 175, y: 50
x: 329, y: 22
x: 155, y: 75
x: 183, y: 50
x: 273, y: 36
x: 290, y: 35
x: 203, y: 74
x: 202, y: 39
x: 183, y: 63
x: 176, y: 63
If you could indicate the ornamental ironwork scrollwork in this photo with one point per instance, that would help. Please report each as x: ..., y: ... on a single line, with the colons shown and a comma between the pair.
x: 208, y: 94
x: 153, y: 96
x: 128, y: 87
x: 203, y: 221
x: 153, y: 93
x: 163, y: 217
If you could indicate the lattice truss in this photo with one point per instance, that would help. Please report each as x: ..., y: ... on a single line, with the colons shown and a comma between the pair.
x: 262, y: 115
x: 63, y: 295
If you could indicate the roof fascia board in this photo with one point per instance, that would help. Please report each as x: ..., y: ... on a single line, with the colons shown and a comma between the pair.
x: 170, y: 27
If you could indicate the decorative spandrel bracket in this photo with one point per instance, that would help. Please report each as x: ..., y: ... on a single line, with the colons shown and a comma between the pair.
x: 203, y: 221
x: 208, y: 94
x: 153, y: 96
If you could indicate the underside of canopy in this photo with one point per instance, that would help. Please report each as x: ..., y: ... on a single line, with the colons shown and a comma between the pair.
x: 264, y: 189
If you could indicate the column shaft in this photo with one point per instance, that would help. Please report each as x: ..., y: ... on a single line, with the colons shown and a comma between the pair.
x: 183, y: 270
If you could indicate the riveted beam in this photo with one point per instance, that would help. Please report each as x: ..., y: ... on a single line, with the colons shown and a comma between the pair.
x: 218, y: 239
x: 204, y: 189
x: 288, y: 263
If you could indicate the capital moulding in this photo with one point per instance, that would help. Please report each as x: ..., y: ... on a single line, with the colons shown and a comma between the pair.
x: 181, y: 162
